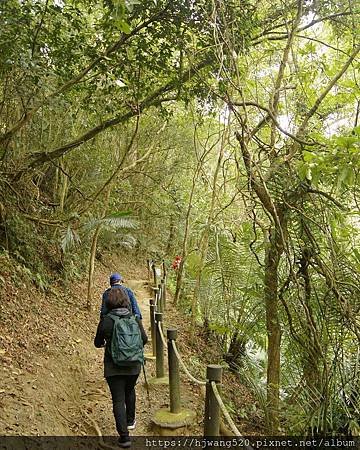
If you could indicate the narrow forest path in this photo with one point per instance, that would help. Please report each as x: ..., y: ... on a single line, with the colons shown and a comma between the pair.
x: 51, y: 375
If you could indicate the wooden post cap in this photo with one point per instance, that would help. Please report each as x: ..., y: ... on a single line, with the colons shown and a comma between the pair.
x: 172, y: 334
x: 213, y: 372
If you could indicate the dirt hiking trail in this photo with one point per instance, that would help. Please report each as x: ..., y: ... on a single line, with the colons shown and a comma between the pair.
x: 51, y: 375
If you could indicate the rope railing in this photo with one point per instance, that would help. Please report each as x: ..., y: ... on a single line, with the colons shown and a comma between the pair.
x: 227, y: 416
x: 185, y: 369
x: 213, y: 401
x: 224, y: 410
x: 181, y: 361
x: 161, y: 334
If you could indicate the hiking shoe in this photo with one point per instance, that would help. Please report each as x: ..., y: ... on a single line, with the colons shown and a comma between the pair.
x: 131, y: 426
x: 124, y: 442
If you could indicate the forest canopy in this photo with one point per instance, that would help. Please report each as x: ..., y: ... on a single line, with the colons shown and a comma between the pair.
x: 223, y: 131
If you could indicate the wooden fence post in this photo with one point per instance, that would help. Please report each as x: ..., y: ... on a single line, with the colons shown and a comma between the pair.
x: 160, y: 299
x: 159, y: 347
x: 153, y: 325
x: 154, y: 274
x: 148, y: 265
x: 163, y: 294
x: 174, y: 373
x: 212, y: 408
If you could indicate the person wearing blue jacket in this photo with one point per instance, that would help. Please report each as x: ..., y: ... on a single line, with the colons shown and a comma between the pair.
x: 116, y: 281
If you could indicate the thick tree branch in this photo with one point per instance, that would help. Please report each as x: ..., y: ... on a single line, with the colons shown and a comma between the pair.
x: 322, y: 43
x: 258, y: 188
x: 153, y: 99
x: 47, y: 222
x: 326, y: 195
x: 322, y: 19
x: 281, y: 35
x: 274, y: 102
x: 275, y: 98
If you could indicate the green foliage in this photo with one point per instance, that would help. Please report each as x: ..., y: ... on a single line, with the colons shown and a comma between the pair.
x: 35, y: 253
x: 335, y: 164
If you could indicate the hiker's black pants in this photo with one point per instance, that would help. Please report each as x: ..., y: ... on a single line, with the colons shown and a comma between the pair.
x: 122, y: 388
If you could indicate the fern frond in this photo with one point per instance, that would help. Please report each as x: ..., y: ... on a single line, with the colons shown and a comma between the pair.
x: 113, y: 221
x: 69, y: 238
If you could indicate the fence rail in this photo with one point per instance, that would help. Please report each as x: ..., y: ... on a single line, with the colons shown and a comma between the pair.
x: 214, y: 404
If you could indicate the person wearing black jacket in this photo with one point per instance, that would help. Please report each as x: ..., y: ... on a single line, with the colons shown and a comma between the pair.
x: 121, y: 380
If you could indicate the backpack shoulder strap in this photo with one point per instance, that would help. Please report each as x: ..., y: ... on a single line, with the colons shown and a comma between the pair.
x: 114, y: 317
x: 106, y: 292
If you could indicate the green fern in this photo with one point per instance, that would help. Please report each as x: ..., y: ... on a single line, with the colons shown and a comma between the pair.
x: 69, y: 239
x: 113, y: 221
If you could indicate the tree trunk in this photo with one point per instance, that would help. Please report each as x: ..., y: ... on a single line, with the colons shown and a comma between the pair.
x: 93, y: 251
x: 179, y: 276
x: 56, y: 185
x: 272, y: 258
x: 172, y: 231
x: 236, y: 351
x: 273, y: 250
x: 180, y: 272
x: 92, y: 266
x: 314, y: 354
x: 203, y: 254
x: 63, y: 187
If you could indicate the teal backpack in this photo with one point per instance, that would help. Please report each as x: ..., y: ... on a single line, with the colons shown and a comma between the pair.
x: 126, y: 342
